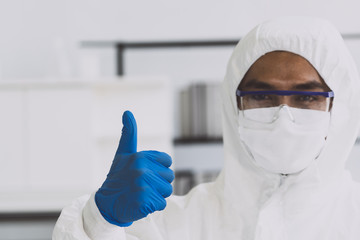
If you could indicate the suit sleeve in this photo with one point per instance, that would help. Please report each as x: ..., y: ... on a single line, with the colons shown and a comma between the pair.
x: 82, y: 221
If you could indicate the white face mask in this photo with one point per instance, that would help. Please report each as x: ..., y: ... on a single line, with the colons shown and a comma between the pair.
x: 290, y: 143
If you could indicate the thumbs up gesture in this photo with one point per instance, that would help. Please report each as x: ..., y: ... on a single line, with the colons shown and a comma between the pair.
x: 137, y: 183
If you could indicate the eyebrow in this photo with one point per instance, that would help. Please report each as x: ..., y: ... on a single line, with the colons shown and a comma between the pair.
x: 257, y: 84
x: 310, y: 85
x: 254, y: 83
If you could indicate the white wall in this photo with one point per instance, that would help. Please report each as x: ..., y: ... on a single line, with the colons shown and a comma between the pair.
x: 29, y: 30
x: 39, y: 38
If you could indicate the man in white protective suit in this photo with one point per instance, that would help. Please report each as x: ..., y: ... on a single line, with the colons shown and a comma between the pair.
x: 291, y: 114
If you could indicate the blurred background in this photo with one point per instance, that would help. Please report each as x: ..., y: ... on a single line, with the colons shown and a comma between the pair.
x: 69, y: 68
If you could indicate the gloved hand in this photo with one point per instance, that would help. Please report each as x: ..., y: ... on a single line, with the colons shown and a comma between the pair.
x: 137, y: 183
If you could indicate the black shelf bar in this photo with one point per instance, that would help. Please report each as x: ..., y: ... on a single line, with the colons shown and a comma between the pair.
x: 180, y: 44
x: 197, y: 140
x: 120, y: 59
x: 161, y: 44
x: 122, y: 46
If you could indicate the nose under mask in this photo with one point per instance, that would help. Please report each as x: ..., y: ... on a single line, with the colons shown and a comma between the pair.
x: 289, y: 143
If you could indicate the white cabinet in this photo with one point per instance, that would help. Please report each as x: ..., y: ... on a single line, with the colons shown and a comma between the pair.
x: 58, y: 139
x: 12, y: 139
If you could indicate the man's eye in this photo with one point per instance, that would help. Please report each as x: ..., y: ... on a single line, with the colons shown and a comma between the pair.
x: 307, y: 98
x: 260, y: 97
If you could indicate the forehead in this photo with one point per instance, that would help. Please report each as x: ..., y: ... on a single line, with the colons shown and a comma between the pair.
x: 283, y: 70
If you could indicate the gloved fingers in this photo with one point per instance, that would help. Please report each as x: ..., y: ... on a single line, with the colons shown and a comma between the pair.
x: 165, y: 189
x: 157, y: 183
x: 148, y: 160
x: 160, y: 203
x: 128, y: 140
x: 160, y: 157
x: 166, y: 173
x: 151, y: 201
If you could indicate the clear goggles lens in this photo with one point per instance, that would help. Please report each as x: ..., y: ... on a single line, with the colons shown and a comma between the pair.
x: 248, y: 100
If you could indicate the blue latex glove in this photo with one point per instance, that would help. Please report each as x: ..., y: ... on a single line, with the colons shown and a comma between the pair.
x: 137, y: 183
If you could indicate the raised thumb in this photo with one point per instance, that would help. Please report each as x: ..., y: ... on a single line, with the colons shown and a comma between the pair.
x: 128, y: 140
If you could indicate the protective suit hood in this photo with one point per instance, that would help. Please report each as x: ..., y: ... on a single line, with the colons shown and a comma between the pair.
x: 243, y: 182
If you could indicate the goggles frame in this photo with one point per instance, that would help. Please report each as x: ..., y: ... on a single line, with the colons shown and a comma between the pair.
x: 329, y: 95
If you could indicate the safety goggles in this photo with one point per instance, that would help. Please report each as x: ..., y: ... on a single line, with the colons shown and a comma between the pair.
x: 271, y: 100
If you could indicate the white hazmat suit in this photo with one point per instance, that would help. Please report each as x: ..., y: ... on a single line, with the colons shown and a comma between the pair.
x: 247, y: 202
